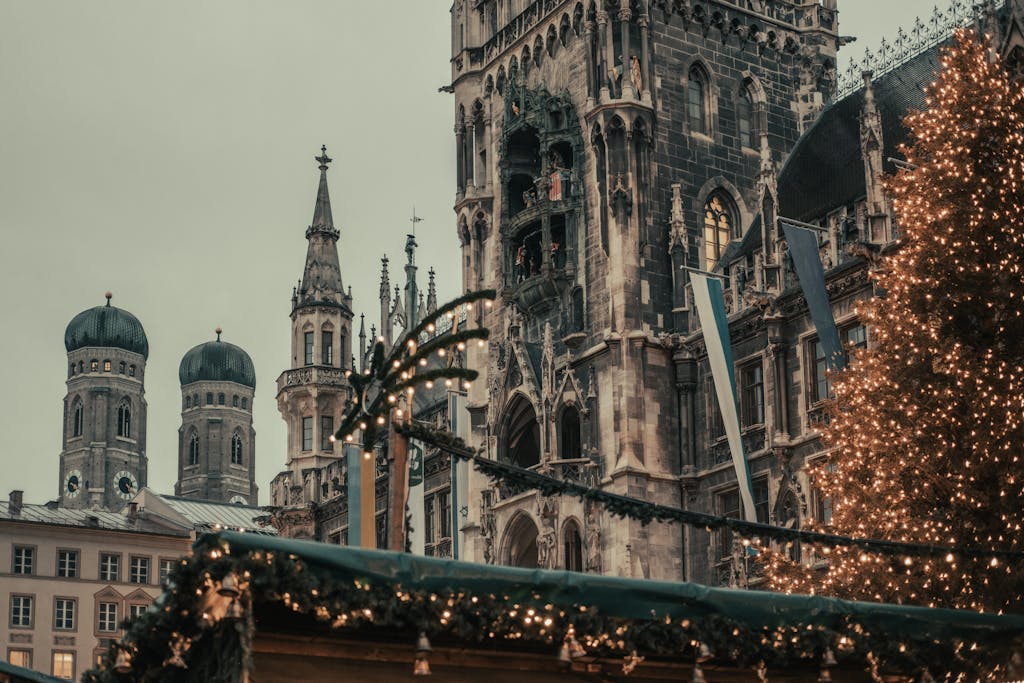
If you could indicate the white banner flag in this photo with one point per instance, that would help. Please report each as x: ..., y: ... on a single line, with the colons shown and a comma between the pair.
x: 417, y: 520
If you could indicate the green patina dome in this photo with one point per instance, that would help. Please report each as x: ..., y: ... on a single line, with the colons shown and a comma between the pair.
x: 217, y: 361
x: 106, y: 326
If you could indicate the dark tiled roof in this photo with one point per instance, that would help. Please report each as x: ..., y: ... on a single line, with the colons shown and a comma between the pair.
x: 217, y: 361
x: 824, y: 170
x: 90, y: 519
x: 209, y: 515
x: 106, y: 326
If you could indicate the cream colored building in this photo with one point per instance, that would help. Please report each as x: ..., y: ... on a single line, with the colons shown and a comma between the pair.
x: 69, y: 578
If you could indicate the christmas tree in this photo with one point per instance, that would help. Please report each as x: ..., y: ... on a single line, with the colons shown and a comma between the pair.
x: 927, y: 428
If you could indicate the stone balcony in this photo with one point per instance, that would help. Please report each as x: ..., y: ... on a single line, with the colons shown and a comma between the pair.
x: 312, y: 375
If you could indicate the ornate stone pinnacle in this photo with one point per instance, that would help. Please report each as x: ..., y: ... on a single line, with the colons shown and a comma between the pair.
x: 323, y: 159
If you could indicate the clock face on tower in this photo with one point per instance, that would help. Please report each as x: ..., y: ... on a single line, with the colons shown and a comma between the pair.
x: 125, y: 484
x: 238, y: 500
x: 73, y: 484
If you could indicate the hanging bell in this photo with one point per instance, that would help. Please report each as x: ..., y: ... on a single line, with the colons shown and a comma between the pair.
x: 575, y: 649
x: 828, y: 659
x: 234, y: 610
x: 698, y: 674
x: 123, y: 663
x: 421, y: 667
x: 704, y: 653
x: 229, y: 586
x: 565, y: 655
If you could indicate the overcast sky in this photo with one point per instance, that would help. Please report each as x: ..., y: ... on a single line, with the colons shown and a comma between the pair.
x: 164, y: 151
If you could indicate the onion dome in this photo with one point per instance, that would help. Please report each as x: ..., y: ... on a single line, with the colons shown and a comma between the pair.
x: 107, y: 327
x: 217, y: 361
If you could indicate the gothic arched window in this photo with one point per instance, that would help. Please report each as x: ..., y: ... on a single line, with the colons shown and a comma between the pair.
x: 236, y: 450
x: 572, y: 544
x: 245, y: 403
x: 719, y: 219
x: 696, y: 100
x: 193, y: 449
x: 124, y: 419
x: 745, y: 117
x: 570, y: 433
x: 188, y: 402
x: 220, y: 399
x: 76, y: 418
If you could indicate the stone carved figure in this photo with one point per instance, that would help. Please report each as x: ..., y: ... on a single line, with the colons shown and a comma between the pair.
x: 636, y: 75
x: 593, y: 532
x: 547, y: 510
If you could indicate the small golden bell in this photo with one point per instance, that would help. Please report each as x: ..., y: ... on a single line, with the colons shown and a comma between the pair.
x: 828, y: 659
x: 421, y: 667
x: 229, y: 586
x: 123, y: 663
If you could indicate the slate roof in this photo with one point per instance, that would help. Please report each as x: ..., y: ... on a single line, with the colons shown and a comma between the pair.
x: 208, y: 515
x: 61, y: 516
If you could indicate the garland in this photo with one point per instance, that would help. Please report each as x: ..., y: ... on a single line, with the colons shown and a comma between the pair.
x: 646, y: 512
x: 199, y: 634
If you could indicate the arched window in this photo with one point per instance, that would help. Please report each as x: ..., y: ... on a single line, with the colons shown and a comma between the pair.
x: 521, y: 543
x: 522, y: 435
x: 696, y: 100
x: 81, y: 366
x: 220, y: 399
x: 236, y: 450
x: 106, y: 366
x: 121, y: 368
x: 131, y: 370
x: 94, y: 365
x: 193, y: 449
x: 234, y: 401
x: 188, y: 402
x: 76, y: 418
x: 572, y: 547
x: 719, y: 219
x: 570, y: 433
x: 209, y: 398
x: 124, y: 419
x: 195, y: 400
x: 745, y: 117
x: 245, y: 403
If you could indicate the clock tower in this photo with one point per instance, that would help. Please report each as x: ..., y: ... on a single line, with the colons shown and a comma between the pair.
x: 103, y: 462
x: 312, y: 392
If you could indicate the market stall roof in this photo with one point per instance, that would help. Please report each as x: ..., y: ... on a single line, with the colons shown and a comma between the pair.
x: 626, y: 598
x: 17, y: 674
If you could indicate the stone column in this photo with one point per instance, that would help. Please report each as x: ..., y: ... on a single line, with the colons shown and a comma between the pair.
x: 470, y: 163
x: 460, y: 162
x: 588, y: 35
x: 645, y: 59
x: 603, y: 38
x: 625, y: 15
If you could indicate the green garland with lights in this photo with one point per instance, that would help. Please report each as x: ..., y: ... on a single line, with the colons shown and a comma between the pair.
x: 646, y: 512
x: 205, y: 623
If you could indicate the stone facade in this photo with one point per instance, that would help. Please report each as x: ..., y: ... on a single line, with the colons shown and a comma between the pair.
x: 602, y: 148
x: 217, y: 443
x: 103, y: 461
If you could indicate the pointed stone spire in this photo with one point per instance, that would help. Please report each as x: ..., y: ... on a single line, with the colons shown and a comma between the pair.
x: 872, y: 156
x: 385, y: 301
x: 362, y: 341
x: 321, y: 278
x: 431, y: 293
x: 411, y: 298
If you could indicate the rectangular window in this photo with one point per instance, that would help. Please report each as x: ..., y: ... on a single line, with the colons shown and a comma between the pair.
x: 21, y: 611
x: 760, y: 487
x: 307, y: 433
x: 716, y: 427
x: 24, y: 559
x: 752, y: 383
x: 821, y: 387
x: 110, y: 567
x: 209, y: 398
x: 139, y: 571
x: 136, y: 611
x: 856, y: 337
x: 428, y: 520
x: 22, y: 658
x: 823, y: 503
x: 728, y: 506
x: 327, y: 348
x: 308, y: 345
x: 165, y: 570
x: 107, y: 621
x: 64, y: 665
x: 67, y: 563
x: 444, y: 512
x: 326, y: 432
x: 64, y: 614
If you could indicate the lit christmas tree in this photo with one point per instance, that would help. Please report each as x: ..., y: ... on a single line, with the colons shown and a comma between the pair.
x: 927, y: 429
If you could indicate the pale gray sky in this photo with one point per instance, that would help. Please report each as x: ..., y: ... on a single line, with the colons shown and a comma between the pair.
x: 164, y: 151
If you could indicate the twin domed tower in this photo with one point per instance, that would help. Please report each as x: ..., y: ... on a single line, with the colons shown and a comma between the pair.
x: 103, y: 460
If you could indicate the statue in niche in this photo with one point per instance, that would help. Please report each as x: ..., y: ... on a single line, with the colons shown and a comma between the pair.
x: 636, y: 75
x: 593, y: 532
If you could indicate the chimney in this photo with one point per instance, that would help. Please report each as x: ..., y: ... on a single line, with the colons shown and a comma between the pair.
x: 15, y: 502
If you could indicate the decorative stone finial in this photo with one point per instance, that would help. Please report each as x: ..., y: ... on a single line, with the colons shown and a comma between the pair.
x: 218, y: 331
x: 109, y: 296
x: 323, y: 159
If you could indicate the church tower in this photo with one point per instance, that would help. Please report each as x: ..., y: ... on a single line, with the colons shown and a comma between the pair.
x: 312, y: 392
x: 103, y: 461
x: 576, y: 125
x: 216, y: 441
